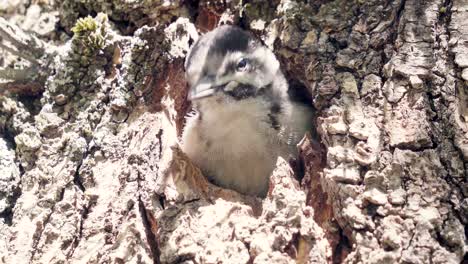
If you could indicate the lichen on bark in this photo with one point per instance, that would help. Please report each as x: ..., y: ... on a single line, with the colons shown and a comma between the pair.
x: 92, y: 105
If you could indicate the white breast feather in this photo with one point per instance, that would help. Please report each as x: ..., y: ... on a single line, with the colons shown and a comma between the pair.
x: 234, y: 144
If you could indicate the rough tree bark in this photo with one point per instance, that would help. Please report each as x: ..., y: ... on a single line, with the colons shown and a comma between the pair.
x: 91, y: 111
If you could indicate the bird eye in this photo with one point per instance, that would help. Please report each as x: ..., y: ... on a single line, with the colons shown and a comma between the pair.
x: 242, y: 64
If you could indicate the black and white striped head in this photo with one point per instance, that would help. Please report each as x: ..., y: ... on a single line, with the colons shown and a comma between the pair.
x: 229, y: 62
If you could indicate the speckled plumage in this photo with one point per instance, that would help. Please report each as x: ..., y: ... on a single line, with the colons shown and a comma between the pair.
x: 244, y: 118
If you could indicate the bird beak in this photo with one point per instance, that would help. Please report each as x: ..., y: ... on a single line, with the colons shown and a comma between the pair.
x: 202, y: 89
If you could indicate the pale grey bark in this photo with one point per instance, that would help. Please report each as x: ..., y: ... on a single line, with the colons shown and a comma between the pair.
x: 91, y: 172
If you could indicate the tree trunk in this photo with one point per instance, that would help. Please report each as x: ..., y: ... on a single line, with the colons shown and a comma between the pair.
x: 91, y: 111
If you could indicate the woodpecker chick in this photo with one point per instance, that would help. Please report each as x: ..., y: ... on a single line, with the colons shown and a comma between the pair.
x: 244, y: 117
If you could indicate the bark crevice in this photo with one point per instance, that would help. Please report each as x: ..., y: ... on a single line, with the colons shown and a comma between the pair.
x: 102, y: 179
x: 150, y: 236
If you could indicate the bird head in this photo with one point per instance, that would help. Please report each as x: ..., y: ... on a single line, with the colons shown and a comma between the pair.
x: 231, y: 64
